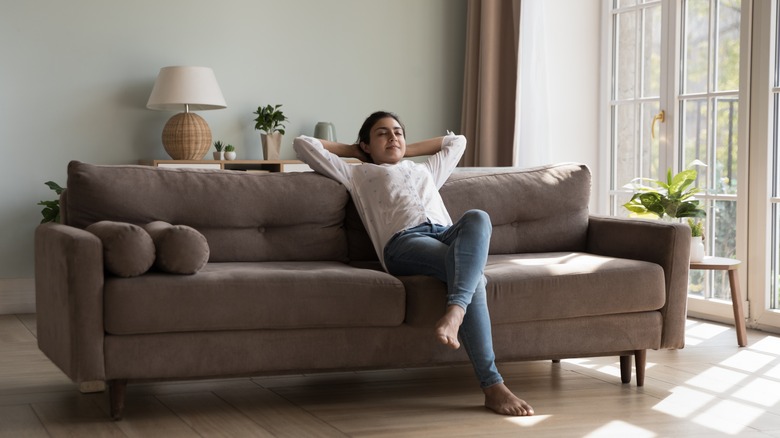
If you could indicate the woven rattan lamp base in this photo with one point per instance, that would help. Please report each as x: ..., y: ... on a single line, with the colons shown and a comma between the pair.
x: 186, y: 136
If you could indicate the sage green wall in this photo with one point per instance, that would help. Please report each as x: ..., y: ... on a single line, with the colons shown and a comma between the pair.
x: 75, y: 77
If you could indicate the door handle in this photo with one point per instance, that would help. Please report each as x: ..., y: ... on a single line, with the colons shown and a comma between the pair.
x: 660, y: 117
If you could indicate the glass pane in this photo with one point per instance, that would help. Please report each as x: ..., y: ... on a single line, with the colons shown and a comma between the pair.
x: 618, y: 200
x: 693, y: 134
x: 728, y: 45
x: 723, y: 221
x: 651, y: 56
x: 696, y: 49
x: 625, y: 56
x: 727, y: 118
x: 625, y: 144
x: 624, y: 3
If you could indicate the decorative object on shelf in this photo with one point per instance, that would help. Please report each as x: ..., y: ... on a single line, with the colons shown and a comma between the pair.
x: 219, y: 154
x: 186, y: 136
x: 230, y: 152
x: 325, y: 131
x: 697, y: 240
x: 270, y: 122
x: 51, y: 209
x: 671, y: 199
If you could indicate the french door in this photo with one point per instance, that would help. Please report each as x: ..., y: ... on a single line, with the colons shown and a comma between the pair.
x: 674, y: 97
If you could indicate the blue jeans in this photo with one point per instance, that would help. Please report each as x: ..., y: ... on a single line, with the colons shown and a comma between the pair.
x: 455, y: 255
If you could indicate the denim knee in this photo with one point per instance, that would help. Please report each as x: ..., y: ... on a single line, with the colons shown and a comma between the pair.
x: 478, y: 219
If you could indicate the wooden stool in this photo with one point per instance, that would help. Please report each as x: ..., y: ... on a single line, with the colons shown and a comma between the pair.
x: 726, y: 264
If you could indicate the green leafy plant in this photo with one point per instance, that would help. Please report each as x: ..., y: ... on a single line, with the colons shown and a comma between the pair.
x: 673, y: 198
x: 218, y: 145
x: 230, y: 148
x: 270, y: 119
x: 697, y: 228
x: 51, y: 209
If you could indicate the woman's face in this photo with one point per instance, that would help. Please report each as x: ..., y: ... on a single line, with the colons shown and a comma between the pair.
x: 387, y: 144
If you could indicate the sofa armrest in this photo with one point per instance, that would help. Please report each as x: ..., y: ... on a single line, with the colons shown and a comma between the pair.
x: 69, y: 299
x: 664, y: 243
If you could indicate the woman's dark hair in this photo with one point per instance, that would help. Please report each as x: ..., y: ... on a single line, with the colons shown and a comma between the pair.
x: 364, y: 135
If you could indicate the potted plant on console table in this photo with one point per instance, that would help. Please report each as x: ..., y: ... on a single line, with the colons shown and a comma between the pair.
x: 674, y: 198
x: 270, y: 121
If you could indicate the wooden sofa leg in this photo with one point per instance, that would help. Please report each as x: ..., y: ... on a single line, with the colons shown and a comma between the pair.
x: 625, y: 369
x: 116, y: 395
x: 640, y: 360
x: 556, y: 361
x: 640, y: 357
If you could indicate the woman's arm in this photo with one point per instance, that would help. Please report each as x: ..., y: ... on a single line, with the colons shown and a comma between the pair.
x: 344, y: 150
x: 312, y: 152
x: 425, y: 147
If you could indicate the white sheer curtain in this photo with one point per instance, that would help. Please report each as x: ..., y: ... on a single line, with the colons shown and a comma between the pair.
x: 532, y: 133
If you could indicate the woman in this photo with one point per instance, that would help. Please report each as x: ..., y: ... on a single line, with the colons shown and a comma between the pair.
x: 413, y: 234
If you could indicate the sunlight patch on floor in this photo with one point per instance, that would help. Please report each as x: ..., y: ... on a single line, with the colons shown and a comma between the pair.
x: 760, y: 391
x: 748, y: 361
x: 697, y: 332
x: 728, y: 416
x: 621, y: 428
x: 610, y: 370
x: 683, y: 402
x: 717, y: 379
x: 527, y: 421
x: 767, y: 345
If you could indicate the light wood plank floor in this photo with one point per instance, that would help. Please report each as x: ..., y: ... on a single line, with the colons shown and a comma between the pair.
x: 710, y: 388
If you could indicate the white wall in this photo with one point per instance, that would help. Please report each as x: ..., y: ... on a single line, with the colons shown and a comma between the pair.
x: 75, y: 77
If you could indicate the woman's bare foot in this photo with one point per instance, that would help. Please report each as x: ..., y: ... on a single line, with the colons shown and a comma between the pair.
x: 447, y: 327
x: 501, y: 400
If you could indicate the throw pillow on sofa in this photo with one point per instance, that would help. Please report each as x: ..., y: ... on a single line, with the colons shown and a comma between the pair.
x: 128, y: 250
x: 179, y: 249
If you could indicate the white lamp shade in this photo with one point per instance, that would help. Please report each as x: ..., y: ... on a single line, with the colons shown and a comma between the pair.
x: 177, y: 88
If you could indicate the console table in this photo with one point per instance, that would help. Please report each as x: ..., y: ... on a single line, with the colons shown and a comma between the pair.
x: 726, y: 264
x: 246, y: 165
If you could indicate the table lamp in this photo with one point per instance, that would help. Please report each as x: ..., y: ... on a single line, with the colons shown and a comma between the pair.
x: 186, y: 136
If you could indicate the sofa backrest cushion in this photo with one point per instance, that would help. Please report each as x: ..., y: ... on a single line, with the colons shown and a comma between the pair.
x: 244, y: 217
x: 541, y: 209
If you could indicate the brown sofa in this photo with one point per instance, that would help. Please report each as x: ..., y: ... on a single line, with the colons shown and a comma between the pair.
x: 292, y: 284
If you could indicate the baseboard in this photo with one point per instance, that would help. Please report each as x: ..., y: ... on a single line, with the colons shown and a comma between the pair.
x: 17, y: 295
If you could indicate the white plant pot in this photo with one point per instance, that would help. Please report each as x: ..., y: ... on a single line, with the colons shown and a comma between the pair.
x: 697, y: 249
x: 230, y: 155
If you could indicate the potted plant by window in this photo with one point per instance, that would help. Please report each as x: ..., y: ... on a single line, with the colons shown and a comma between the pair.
x: 230, y: 152
x: 673, y: 198
x: 219, y: 154
x: 270, y: 122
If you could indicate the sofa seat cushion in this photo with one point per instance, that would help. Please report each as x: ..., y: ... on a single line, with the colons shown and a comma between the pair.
x: 548, y: 286
x: 254, y: 295
x: 545, y: 286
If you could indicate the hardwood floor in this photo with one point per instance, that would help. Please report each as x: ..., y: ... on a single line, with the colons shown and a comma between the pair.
x: 710, y: 388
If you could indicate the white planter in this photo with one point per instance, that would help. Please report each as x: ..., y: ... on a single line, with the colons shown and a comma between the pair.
x: 697, y: 249
x: 230, y: 155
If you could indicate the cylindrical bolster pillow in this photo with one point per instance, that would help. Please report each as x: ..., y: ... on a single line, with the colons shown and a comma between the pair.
x: 180, y: 249
x: 128, y: 249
